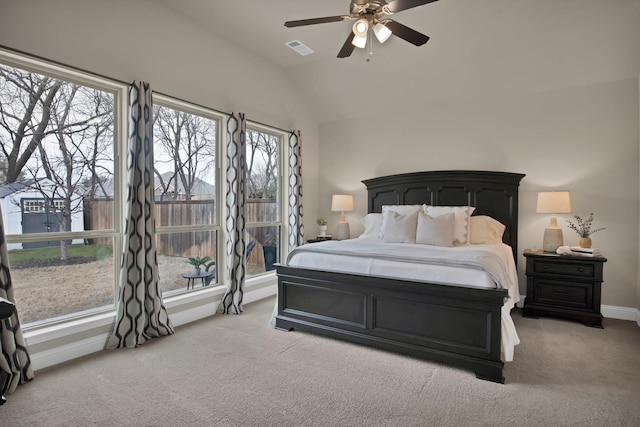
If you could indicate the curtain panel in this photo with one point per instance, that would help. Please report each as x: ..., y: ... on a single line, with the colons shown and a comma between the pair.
x: 296, y: 227
x: 141, y: 313
x: 236, y: 198
x: 15, y: 363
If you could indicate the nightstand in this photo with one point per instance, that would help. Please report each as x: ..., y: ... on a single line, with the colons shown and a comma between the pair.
x: 565, y: 286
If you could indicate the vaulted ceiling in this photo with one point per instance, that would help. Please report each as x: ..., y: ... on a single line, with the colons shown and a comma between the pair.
x: 477, y: 50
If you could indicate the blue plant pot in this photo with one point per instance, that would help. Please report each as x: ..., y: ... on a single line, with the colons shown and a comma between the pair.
x: 270, y: 257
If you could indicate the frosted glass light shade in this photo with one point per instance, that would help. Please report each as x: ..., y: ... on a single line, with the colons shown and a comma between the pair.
x: 382, y: 32
x: 360, y: 27
x: 359, y: 41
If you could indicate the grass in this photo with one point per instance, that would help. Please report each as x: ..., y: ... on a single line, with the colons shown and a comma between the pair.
x: 25, y: 256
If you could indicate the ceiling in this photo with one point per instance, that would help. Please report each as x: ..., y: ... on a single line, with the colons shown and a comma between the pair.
x: 478, y: 49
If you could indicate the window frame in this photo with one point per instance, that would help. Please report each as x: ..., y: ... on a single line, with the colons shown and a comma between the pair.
x: 191, y: 108
x: 119, y: 91
x: 282, y: 223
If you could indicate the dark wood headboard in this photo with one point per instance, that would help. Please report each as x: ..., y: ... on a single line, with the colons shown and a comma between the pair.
x: 492, y: 193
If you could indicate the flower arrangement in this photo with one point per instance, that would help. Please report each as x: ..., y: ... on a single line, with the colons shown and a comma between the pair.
x: 321, y: 221
x: 583, y: 226
x: 269, y: 239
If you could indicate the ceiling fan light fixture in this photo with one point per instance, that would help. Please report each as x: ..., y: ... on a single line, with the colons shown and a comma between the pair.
x: 360, y: 41
x: 360, y: 28
x: 382, y: 32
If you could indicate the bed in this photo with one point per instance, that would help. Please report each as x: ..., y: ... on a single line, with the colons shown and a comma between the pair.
x: 455, y: 324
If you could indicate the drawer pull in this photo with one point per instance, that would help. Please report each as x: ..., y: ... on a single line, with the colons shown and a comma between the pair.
x: 580, y: 269
x: 562, y: 293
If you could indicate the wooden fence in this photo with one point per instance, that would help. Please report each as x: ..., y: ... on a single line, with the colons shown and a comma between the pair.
x: 98, y: 215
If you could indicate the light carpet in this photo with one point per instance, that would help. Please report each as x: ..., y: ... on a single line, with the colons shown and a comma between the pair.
x: 237, y: 371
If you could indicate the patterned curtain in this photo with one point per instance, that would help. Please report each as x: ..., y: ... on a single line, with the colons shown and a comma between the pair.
x: 236, y: 200
x: 141, y: 313
x: 296, y: 228
x: 15, y: 363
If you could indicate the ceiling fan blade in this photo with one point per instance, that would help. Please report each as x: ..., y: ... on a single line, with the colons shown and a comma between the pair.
x: 347, y: 47
x: 400, y: 5
x: 406, y: 33
x: 313, y: 21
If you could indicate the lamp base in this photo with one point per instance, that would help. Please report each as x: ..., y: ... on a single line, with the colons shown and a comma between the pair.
x: 552, y: 239
x: 343, y: 231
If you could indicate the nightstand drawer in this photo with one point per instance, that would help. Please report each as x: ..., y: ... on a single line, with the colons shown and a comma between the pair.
x: 563, y: 294
x: 564, y: 268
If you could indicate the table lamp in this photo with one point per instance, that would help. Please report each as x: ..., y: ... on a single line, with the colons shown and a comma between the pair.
x: 342, y: 203
x: 553, y: 202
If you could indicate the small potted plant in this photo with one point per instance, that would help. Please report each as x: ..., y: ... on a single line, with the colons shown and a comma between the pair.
x: 322, y: 223
x: 198, y: 262
x: 584, y: 229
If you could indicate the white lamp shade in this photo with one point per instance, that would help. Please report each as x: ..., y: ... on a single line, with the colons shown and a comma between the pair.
x: 382, y: 32
x: 342, y: 203
x: 359, y: 41
x: 360, y: 27
x: 554, y: 202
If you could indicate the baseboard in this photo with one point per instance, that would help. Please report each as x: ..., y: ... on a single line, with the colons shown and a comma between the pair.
x: 610, y: 311
x: 622, y: 313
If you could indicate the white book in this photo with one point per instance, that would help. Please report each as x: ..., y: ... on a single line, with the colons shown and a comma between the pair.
x: 585, y: 250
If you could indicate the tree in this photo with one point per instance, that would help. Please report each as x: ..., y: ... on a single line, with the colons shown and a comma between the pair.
x: 187, y: 146
x: 60, y: 135
x: 25, y: 113
x: 262, y: 164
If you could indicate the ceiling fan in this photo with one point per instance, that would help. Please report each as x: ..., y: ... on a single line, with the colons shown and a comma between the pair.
x: 371, y: 15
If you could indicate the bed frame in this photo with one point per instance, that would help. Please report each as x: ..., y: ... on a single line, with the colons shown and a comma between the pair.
x: 455, y: 325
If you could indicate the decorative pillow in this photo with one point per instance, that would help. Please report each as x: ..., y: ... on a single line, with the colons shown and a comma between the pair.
x: 401, y: 209
x: 484, y: 229
x: 461, y: 227
x: 372, y: 223
x: 400, y: 228
x: 436, y: 231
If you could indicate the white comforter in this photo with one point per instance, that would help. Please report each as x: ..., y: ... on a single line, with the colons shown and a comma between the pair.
x: 485, y: 266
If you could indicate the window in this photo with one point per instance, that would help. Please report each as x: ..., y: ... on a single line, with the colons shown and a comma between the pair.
x: 58, y: 182
x: 186, y: 176
x: 263, y: 209
x: 62, y: 133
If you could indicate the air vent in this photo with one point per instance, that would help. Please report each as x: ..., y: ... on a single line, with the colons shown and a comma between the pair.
x: 299, y: 47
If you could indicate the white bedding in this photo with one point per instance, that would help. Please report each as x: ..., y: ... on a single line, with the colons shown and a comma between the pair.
x: 482, y: 266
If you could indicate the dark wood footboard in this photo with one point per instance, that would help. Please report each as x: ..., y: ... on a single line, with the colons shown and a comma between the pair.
x: 457, y: 326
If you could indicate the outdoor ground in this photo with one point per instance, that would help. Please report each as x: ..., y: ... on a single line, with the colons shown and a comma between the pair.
x: 50, y: 288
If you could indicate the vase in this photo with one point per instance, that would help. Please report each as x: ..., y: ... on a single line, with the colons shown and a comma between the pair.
x: 323, y: 230
x: 584, y: 242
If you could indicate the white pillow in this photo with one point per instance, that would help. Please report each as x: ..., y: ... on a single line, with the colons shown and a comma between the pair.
x: 484, y: 229
x: 461, y: 227
x: 400, y: 228
x: 436, y: 231
x: 401, y: 209
x: 372, y: 223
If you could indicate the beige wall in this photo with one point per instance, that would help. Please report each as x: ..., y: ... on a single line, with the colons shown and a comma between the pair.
x: 582, y: 139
